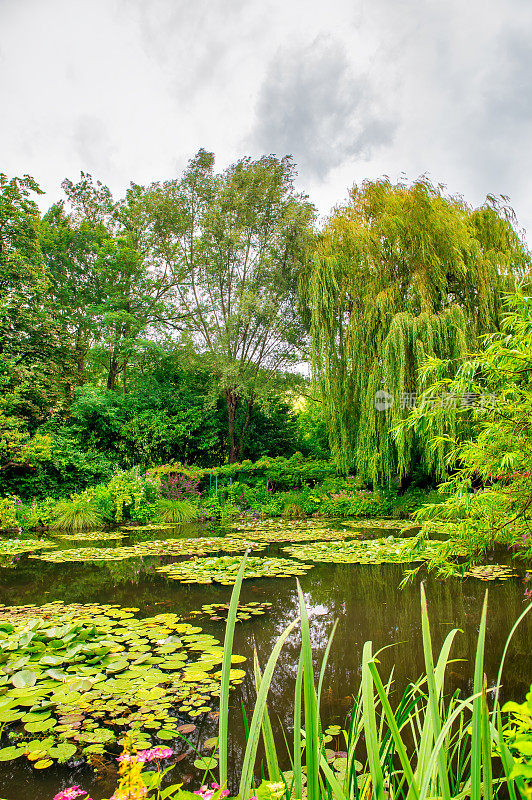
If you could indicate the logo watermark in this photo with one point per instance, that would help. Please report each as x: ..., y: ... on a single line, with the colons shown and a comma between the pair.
x: 407, y: 400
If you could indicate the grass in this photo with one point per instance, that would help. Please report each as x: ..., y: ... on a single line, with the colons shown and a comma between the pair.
x: 430, y: 746
x: 77, y: 514
x: 177, y: 511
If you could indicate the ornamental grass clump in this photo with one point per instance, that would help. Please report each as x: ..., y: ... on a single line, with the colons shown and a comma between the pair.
x: 78, y: 513
x: 177, y: 511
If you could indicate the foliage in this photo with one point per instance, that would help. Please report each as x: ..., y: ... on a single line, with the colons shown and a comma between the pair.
x: 224, y: 569
x: 90, y: 673
x: 374, y: 551
x: 439, y: 760
x: 518, y: 738
x: 77, y: 514
x: 151, y: 547
x: 8, y: 512
x: 401, y: 273
x: 488, y: 486
x: 33, y: 364
x: 233, y: 244
x: 14, y: 547
x: 177, y: 511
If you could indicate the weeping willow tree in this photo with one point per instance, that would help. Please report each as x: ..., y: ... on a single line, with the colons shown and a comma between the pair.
x: 401, y: 273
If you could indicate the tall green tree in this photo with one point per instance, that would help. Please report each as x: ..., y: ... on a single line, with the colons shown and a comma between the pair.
x: 401, y: 273
x: 487, y: 442
x: 234, y: 243
x: 111, y: 297
x: 33, y: 361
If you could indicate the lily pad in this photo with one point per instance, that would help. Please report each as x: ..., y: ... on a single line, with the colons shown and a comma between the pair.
x: 225, y: 568
x: 14, y: 547
x: 89, y: 673
x: 164, y: 547
x: 373, y: 551
x: 491, y: 572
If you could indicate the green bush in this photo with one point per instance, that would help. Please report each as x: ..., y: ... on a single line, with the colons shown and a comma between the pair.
x: 8, y: 511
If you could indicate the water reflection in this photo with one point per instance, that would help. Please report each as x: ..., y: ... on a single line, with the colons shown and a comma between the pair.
x: 365, y: 599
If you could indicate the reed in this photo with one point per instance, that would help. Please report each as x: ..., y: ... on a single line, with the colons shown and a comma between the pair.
x: 428, y: 746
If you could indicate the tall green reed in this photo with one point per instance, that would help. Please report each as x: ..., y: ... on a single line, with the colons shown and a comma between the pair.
x: 430, y: 746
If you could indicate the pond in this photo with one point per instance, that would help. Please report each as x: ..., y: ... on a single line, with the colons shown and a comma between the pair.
x: 366, y: 600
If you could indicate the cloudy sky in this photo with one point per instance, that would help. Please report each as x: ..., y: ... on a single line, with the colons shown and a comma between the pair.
x: 353, y: 89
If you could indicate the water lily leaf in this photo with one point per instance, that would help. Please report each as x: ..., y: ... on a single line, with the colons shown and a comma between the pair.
x: 206, y: 763
x: 24, y: 679
x: 224, y: 569
x: 44, y: 763
x: 209, y: 744
x: 38, y: 727
x: 10, y: 753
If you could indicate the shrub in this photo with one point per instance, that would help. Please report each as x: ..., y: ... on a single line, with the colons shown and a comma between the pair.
x: 8, y: 511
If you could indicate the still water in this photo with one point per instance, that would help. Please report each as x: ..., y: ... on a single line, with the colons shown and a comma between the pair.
x: 365, y: 600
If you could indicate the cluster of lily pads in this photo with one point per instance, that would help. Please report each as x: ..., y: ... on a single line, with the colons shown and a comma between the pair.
x: 278, y: 524
x: 374, y: 551
x: 76, y: 679
x: 152, y: 527
x: 91, y: 536
x: 157, y: 547
x: 14, y: 547
x: 491, y: 572
x: 272, y: 536
x: 245, y: 611
x: 382, y: 524
x: 225, y: 568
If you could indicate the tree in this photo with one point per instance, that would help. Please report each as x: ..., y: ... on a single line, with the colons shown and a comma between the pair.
x: 112, y: 298
x: 488, y: 489
x: 234, y: 243
x: 33, y: 365
x: 401, y: 273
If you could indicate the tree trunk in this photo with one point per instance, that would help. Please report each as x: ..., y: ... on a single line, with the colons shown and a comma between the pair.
x: 232, y: 399
x: 249, y: 408
x: 113, y: 374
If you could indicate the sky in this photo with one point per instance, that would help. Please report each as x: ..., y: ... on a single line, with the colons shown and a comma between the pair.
x: 130, y: 90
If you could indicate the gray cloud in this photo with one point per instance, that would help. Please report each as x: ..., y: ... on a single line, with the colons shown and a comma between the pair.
x: 314, y: 107
x: 130, y: 89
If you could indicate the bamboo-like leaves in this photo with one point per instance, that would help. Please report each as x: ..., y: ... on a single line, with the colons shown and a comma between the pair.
x: 226, y: 669
x: 311, y: 704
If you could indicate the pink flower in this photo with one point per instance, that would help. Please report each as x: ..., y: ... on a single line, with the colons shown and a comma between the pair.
x: 124, y: 757
x: 68, y: 794
x: 207, y: 793
x: 159, y: 752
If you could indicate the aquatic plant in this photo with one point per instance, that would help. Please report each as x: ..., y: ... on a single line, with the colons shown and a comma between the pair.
x: 373, y: 551
x: 78, y: 513
x: 491, y: 572
x: 224, y: 569
x: 156, y: 547
x: 417, y: 751
x: 286, y: 534
x: 14, y: 547
x: 382, y: 524
x: 245, y: 611
x: 75, y: 677
x: 90, y: 536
